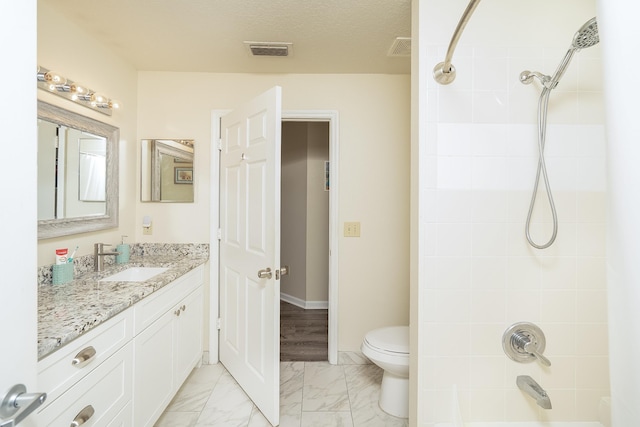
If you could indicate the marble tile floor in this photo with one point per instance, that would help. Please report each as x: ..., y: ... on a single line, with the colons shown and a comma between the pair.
x: 311, y: 394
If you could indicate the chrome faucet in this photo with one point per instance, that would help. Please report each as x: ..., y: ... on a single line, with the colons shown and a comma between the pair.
x: 533, y: 389
x: 98, y: 254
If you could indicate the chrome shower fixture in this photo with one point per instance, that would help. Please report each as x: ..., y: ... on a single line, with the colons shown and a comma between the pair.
x: 586, y: 36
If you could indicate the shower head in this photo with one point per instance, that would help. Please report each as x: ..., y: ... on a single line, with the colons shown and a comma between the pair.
x: 587, y: 35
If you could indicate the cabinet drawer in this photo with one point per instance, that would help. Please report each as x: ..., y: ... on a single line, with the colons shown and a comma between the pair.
x: 154, y: 306
x: 106, y: 390
x: 58, y: 372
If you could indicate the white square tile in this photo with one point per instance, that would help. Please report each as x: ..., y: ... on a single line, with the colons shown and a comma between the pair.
x: 489, y: 140
x: 486, y: 372
x: 558, y: 273
x: 488, y: 306
x: 489, y: 239
x: 489, y: 173
x: 558, y: 305
x: 454, y: 139
x: 592, y: 306
x: 591, y: 239
x: 486, y: 339
x: 452, y: 305
x: 453, y: 206
x: 324, y: 388
x: 454, y: 240
x: 523, y: 273
x: 592, y: 174
x: 454, y: 173
x: 489, y: 206
x: 592, y: 372
x: 591, y: 272
x: 455, y: 106
x: 489, y: 273
x: 490, y: 106
x: 453, y: 273
x: 591, y: 206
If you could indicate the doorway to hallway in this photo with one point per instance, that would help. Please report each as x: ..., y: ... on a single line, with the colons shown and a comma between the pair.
x: 304, y: 231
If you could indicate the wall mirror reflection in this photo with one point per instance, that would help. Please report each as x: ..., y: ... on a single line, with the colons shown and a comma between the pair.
x: 77, y: 173
x: 167, y: 170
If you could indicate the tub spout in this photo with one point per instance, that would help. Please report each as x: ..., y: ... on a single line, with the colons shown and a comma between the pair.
x: 533, y: 389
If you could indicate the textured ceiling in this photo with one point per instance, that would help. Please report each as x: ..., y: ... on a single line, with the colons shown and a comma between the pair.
x: 328, y: 36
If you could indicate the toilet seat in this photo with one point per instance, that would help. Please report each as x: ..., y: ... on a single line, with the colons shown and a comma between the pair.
x: 393, y: 340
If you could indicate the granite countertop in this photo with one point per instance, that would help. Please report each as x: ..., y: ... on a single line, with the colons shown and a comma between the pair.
x: 67, y: 311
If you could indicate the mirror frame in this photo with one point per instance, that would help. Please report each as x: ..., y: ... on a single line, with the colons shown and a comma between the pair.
x: 50, y: 228
x: 158, y: 147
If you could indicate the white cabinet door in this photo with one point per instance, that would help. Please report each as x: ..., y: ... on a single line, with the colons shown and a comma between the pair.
x: 189, y: 338
x: 250, y: 243
x: 153, y: 373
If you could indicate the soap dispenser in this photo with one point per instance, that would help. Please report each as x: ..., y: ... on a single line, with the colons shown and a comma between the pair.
x: 123, y: 250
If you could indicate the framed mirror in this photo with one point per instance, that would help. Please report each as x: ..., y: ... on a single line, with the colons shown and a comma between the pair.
x: 167, y: 170
x: 77, y: 173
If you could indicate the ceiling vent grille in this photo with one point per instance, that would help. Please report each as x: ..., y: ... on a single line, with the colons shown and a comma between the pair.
x: 401, y: 46
x: 269, y: 48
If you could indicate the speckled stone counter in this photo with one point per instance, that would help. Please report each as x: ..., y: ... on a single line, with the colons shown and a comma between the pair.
x: 69, y: 310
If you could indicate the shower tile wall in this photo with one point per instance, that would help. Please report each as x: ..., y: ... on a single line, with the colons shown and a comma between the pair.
x: 478, y: 274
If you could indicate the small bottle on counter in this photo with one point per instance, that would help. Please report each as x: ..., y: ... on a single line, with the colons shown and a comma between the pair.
x: 61, y: 256
x: 123, y: 250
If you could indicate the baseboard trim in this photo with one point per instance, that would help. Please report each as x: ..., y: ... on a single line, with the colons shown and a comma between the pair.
x: 307, y: 305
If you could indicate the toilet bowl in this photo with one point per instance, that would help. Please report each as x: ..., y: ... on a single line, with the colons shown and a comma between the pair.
x: 389, y: 349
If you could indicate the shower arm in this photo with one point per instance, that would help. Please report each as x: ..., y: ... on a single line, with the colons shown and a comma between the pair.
x: 444, y: 72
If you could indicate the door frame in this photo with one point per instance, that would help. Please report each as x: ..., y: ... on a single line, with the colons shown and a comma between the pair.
x: 330, y: 116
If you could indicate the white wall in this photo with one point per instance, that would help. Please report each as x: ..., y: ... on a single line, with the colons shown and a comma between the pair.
x: 374, y: 159
x: 317, y: 233
x: 293, y: 216
x: 619, y: 29
x: 477, y: 274
x: 66, y: 49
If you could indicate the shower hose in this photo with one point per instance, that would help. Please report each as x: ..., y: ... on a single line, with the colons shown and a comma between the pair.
x: 543, y: 104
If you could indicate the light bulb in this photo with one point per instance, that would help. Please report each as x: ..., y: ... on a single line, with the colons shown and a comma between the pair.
x: 114, y: 104
x: 78, y: 88
x: 54, y: 78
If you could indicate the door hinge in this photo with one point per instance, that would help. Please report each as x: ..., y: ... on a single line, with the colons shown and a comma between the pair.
x: 220, y: 144
x: 218, y: 324
x: 219, y: 234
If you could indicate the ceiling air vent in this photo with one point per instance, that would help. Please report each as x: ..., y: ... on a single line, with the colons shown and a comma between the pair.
x: 269, y: 48
x: 401, y: 47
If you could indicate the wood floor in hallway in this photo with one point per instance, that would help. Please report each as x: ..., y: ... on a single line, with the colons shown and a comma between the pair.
x: 303, y: 334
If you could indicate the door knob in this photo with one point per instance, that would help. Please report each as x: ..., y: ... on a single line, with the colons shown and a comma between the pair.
x: 18, y: 404
x: 282, y: 271
x: 265, y: 274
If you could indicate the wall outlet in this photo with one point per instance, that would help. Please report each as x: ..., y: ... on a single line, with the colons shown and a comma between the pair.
x: 351, y: 229
x: 147, y: 231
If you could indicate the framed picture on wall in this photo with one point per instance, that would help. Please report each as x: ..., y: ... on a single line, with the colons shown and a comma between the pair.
x: 326, y: 175
x: 183, y: 175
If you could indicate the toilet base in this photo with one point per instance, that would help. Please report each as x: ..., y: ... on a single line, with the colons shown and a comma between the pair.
x: 394, y: 395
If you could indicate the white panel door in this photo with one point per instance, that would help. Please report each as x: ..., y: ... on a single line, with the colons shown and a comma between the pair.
x: 18, y: 253
x: 250, y: 242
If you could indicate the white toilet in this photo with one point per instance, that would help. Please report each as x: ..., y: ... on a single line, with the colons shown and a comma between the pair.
x: 389, y: 349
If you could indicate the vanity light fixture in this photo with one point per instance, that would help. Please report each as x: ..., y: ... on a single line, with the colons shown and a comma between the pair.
x: 55, y: 83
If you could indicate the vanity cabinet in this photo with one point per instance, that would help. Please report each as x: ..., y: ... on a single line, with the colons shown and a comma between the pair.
x: 167, y: 346
x: 91, y: 378
x: 125, y: 371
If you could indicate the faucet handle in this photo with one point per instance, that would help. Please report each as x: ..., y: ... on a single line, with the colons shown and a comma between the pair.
x: 530, y: 348
x: 525, y: 342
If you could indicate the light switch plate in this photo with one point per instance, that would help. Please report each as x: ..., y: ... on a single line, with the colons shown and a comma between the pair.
x: 351, y: 229
x: 147, y: 231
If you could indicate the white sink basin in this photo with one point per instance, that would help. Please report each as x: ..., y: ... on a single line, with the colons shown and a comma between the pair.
x: 135, y: 274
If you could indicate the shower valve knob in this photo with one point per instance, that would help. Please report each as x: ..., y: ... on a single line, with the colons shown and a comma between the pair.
x: 525, y: 342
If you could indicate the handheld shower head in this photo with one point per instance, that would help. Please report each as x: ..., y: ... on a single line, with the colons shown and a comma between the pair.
x: 587, y: 35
